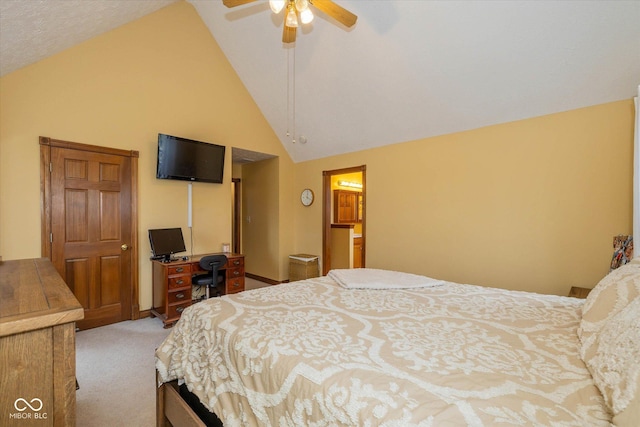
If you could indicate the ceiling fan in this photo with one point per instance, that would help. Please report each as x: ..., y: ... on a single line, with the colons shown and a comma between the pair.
x: 301, y: 7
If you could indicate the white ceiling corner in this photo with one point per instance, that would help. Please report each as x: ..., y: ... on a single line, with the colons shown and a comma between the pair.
x: 31, y: 30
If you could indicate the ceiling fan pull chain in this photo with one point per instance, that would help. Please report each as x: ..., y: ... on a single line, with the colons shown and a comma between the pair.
x: 288, y: 84
x: 294, y: 94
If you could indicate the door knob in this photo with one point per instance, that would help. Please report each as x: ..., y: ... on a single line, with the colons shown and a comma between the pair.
x: 124, y: 247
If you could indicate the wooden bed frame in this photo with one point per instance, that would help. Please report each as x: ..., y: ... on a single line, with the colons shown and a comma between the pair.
x: 171, y: 409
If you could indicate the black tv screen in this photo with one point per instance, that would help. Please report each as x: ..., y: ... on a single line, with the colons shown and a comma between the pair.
x: 189, y: 160
x: 166, y: 242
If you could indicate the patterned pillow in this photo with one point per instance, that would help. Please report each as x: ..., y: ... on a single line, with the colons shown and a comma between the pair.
x: 614, y: 292
x: 615, y: 366
x: 605, y: 332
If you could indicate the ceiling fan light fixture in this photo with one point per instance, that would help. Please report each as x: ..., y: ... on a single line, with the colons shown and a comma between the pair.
x: 276, y: 5
x: 306, y: 16
x: 302, y: 6
x: 292, y: 18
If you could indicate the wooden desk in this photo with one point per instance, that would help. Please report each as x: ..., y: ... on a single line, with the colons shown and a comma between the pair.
x: 172, y: 284
x: 38, y: 312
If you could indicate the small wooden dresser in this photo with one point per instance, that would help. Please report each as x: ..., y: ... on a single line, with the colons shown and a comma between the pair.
x: 37, y: 345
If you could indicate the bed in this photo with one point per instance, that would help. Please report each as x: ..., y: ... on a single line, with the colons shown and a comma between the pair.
x: 379, y: 348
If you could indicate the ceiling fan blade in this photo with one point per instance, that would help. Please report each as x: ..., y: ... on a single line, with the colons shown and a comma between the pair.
x: 234, y: 3
x: 288, y: 34
x: 338, y: 13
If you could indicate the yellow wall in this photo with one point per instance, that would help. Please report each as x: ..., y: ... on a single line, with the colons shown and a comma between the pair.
x: 527, y: 205
x: 530, y: 205
x: 163, y: 73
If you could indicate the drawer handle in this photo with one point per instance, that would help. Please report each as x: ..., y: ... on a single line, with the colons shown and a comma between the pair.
x: 236, y: 273
x: 236, y: 284
x: 179, y: 269
x: 179, y: 309
x: 236, y: 262
x: 180, y: 282
x: 180, y: 295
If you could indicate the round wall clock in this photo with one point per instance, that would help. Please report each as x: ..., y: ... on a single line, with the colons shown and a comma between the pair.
x: 306, y: 197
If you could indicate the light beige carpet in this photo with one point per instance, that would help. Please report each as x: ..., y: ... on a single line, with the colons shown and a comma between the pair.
x: 116, y: 372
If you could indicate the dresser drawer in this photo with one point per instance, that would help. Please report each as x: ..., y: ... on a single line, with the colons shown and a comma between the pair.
x: 232, y: 273
x: 234, y: 285
x: 179, y: 281
x: 234, y: 263
x: 179, y: 296
x: 176, y: 310
x: 179, y: 269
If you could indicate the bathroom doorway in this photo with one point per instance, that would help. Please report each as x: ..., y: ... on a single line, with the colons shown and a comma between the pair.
x: 335, y: 223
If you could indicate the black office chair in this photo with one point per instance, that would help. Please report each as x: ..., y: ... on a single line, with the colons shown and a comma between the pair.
x: 211, y: 280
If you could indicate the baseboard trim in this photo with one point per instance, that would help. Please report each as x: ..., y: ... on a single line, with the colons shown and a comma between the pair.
x: 145, y: 313
x: 264, y: 279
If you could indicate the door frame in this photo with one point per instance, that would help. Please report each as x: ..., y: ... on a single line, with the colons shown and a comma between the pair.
x: 326, y: 213
x: 46, y: 144
x: 237, y: 215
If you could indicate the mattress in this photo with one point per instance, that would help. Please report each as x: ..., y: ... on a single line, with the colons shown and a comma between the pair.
x: 313, y: 353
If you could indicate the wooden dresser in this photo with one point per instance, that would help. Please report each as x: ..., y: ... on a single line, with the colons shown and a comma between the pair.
x: 172, y: 284
x: 37, y: 345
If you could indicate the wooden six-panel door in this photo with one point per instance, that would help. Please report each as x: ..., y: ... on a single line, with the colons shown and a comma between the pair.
x: 91, y: 236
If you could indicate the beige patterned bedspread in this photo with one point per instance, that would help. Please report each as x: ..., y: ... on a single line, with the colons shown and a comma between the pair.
x: 311, y: 353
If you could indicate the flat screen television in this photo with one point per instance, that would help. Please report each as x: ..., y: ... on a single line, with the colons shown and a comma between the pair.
x: 189, y: 160
x: 165, y: 242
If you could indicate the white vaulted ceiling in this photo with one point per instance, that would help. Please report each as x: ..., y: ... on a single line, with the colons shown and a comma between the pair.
x: 407, y: 70
x: 31, y: 30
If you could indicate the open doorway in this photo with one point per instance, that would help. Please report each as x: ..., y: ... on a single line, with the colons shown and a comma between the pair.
x: 255, y: 181
x: 344, y: 218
